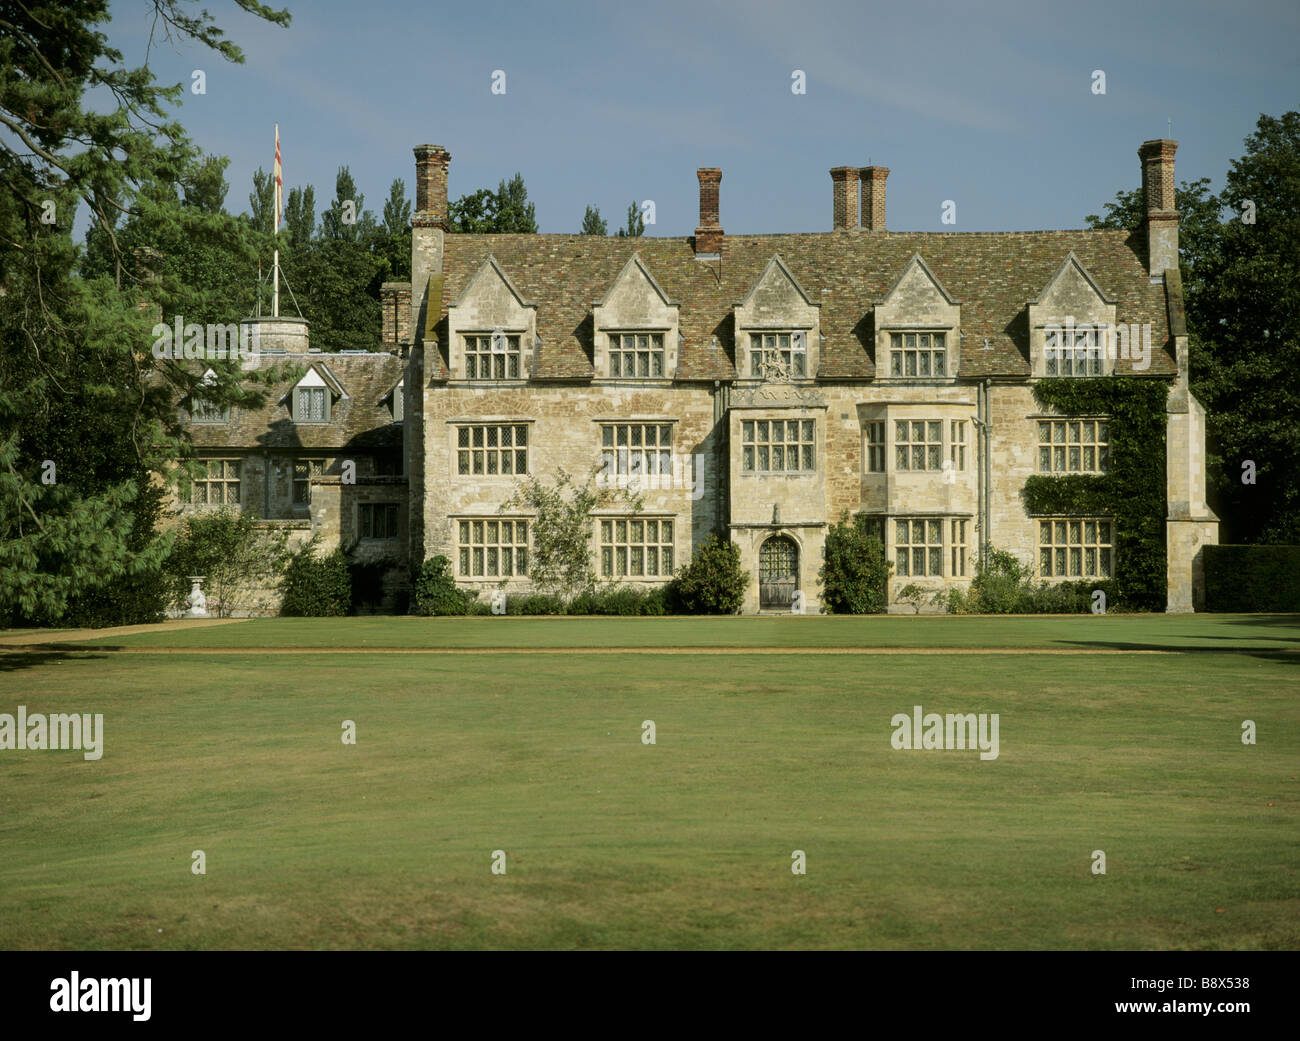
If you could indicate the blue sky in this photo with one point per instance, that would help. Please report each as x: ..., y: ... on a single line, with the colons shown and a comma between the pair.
x: 989, y: 105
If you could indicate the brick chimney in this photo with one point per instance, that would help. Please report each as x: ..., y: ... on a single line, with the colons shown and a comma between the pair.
x: 1161, y: 217
x: 844, y: 189
x: 708, y: 236
x: 873, y: 197
x: 431, y: 185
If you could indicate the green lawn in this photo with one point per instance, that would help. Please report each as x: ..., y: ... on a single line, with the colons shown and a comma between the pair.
x: 685, y: 843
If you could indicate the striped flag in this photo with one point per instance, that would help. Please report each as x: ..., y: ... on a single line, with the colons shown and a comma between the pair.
x: 279, y: 181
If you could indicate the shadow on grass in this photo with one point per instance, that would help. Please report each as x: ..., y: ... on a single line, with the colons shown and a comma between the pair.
x: 1285, y: 656
x: 12, y: 661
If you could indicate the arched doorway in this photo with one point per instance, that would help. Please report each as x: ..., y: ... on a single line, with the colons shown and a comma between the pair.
x: 778, y: 573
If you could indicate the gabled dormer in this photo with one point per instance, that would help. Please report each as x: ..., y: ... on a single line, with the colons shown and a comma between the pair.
x: 491, y: 328
x: 636, y: 327
x: 918, y: 327
x: 203, y: 411
x: 1069, y: 324
x: 314, y: 397
x: 778, y: 327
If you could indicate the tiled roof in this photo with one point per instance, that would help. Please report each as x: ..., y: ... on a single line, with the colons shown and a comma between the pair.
x: 993, y: 274
x: 360, y: 420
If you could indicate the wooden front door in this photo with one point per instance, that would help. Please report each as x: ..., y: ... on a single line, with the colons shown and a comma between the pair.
x: 778, y: 573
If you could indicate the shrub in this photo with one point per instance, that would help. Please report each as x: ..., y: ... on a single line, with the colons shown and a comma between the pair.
x: 1004, y: 585
x: 855, y: 574
x: 914, y: 595
x: 620, y: 600
x: 534, y: 603
x: 316, y: 587
x: 713, y: 582
x: 436, y: 592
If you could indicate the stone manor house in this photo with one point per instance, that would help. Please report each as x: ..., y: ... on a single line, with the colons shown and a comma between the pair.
x: 759, y: 386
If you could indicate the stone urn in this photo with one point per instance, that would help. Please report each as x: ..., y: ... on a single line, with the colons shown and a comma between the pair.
x: 198, y: 602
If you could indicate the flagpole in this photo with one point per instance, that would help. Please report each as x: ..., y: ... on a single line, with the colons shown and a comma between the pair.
x: 279, y: 188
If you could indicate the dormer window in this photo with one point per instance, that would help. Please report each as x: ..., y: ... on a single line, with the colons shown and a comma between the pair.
x: 917, y: 354
x: 206, y: 412
x: 492, y: 357
x: 203, y: 411
x: 311, y: 405
x: 778, y: 353
x: 1072, y: 351
x: 636, y: 354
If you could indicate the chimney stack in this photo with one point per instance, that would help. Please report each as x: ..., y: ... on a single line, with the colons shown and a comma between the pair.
x: 708, y: 236
x: 844, y: 189
x: 873, y: 199
x: 1161, y: 215
x: 431, y: 185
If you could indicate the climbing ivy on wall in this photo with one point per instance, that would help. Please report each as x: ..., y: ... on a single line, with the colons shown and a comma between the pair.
x: 1132, y: 492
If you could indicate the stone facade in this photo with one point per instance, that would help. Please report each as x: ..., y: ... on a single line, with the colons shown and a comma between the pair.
x: 761, y: 387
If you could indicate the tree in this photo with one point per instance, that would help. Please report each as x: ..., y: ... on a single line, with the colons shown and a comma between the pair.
x: 347, y: 219
x: 593, y: 223
x: 300, y: 216
x: 396, y: 231
x: 474, y: 214
x: 561, y: 561
x: 1246, y: 313
x: 1241, y: 286
x: 261, y: 202
x: 635, y: 227
x: 505, y: 211
x: 336, y: 283
x: 515, y: 214
x: 86, y: 418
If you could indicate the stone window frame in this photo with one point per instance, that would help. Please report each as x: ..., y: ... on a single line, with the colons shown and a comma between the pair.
x: 651, y: 351
x: 315, y: 467
x: 899, y: 350
x: 928, y: 551
x: 392, y: 530
x: 222, y: 480
x: 497, y: 557
x: 623, y: 455
x: 302, y: 409
x: 615, y: 533
x: 876, y: 454
x: 959, y: 544
x: 957, y: 444
x: 500, y: 451
x: 754, y: 439
x: 1097, y: 426
x: 1064, y: 556
x: 399, y: 401
x: 756, y: 357
x: 476, y: 346
x: 927, y: 448
x: 1093, y: 348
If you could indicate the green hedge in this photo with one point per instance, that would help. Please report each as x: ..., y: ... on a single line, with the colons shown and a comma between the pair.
x: 1252, y: 578
x: 316, y: 587
x: 1132, y: 492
